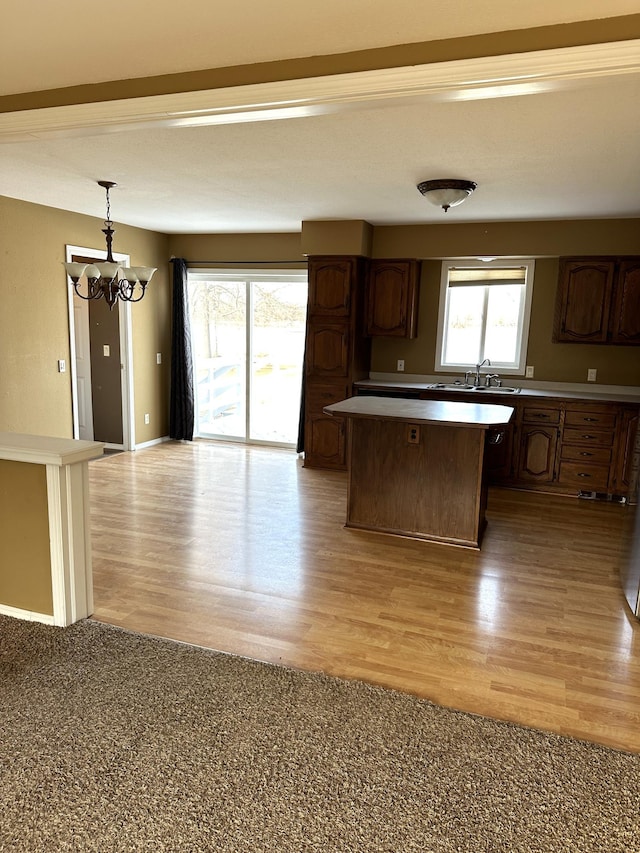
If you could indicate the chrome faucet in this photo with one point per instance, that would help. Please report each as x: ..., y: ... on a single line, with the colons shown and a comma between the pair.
x: 476, y: 380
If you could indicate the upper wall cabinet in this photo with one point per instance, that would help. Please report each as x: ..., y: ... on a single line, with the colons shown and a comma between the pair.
x: 330, y: 285
x: 392, y: 298
x: 598, y: 301
x: 625, y: 319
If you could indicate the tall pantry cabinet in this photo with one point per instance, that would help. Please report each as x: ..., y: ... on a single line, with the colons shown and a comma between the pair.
x: 337, y: 353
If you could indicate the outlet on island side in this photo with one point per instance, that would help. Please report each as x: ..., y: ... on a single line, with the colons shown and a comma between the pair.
x: 400, y: 365
x: 413, y: 434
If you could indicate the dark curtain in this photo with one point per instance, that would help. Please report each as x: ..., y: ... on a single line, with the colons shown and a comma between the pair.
x: 181, y: 414
x: 300, y: 442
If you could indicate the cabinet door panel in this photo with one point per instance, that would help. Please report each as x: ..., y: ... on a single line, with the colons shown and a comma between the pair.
x: 537, y: 454
x: 330, y: 286
x: 324, y: 442
x: 327, y: 349
x: 625, y: 325
x: 584, y: 300
x: 628, y: 455
x: 392, y: 290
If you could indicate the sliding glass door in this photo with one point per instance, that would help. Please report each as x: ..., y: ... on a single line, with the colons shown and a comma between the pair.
x: 248, y: 342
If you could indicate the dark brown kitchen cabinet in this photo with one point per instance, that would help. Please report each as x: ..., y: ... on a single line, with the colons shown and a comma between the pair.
x: 538, y: 431
x: 588, y: 439
x: 598, y: 301
x: 337, y: 353
x: 625, y: 316
x: 331, y: 281
x: 583, y: 300
x: 392, y: 298
x: 627, y: 454
x: 537, y: 453
x: 327, y: 349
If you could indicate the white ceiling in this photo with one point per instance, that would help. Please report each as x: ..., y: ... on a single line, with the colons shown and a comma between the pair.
x: 568, y: 150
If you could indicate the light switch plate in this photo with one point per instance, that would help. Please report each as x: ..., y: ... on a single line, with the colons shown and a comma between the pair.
x: 106, y: 350
x: 592, y: 374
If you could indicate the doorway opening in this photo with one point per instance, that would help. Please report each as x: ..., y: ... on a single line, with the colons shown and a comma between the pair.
x: 101, y: 363
x: 248, y: 332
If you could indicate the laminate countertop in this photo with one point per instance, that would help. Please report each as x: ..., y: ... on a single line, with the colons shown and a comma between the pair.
x: 543, y: 390
x: 479, y: 415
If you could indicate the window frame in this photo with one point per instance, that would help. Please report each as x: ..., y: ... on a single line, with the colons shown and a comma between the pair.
x: 515, y: 368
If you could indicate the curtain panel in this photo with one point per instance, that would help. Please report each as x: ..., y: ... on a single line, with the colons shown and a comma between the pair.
x: 182, y: 399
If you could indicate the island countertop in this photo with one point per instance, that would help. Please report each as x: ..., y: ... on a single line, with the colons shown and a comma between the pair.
x: 479, y: 415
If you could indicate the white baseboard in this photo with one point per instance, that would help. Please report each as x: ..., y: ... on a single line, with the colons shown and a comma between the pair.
x: 152, y: 442
x: 28, y: 615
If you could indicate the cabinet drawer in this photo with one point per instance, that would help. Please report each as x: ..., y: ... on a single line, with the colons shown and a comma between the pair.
x: 541, y: 416
x: 584, y: 476
x: 599, y: 420
x: 320, y: 395
x: 574, y: 435
x: 590, y: 455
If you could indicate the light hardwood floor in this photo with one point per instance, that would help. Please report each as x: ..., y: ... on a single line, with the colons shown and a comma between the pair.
x: 242, y: 549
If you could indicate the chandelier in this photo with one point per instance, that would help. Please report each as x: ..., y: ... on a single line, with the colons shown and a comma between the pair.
x: 447, y: 192
x: 108, y: 279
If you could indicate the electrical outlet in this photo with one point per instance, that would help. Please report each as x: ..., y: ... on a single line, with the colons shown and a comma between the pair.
x: 62, y: 365
x: 413, y: 436
x: 529, y: 371
x: 592, y: 374
x: 400, y: 365
x: 106, y: 350
x: 146, y: 419
x: 158, y: 358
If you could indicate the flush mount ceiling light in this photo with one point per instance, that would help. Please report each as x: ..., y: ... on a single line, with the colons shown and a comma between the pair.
x: 447, y: 192
x: 104, y: 279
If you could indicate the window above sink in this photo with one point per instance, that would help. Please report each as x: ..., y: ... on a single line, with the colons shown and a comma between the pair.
x: 484, y: 314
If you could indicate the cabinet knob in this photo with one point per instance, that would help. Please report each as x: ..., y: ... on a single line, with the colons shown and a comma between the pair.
x: 585, y: 453
x: 590, y: 420
x: 583, y: 474
x: 588, y: 436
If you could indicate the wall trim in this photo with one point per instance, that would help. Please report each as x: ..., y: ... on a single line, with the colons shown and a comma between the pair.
x: 27, y: 615
x: 466, y: 79
x: 151, y: 443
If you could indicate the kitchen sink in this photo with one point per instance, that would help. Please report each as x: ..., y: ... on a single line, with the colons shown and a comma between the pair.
x: 460, y: 386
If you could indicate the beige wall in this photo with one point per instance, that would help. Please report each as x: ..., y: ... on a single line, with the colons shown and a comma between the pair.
x: 545, y: 241
x: 25, y: 578
x: 251, y: 248
x: 34, y: 323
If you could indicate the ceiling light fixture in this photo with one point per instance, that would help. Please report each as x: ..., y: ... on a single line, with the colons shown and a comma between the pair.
x: 447, y: 192
x: 103, y: 279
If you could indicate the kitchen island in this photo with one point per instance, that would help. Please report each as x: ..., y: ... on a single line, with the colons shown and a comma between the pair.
x: 416, y: 467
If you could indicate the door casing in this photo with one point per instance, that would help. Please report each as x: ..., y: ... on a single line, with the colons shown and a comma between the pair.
x: 126, y: 354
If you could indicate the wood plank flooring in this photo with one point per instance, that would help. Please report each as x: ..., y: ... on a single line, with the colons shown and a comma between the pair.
x: 242, y: 549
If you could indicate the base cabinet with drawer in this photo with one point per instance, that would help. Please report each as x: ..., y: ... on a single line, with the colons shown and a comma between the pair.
x: 558, y: 445
x: 586, y: 452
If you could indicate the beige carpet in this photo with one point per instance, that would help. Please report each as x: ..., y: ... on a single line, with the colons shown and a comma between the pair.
x: 113, y: 741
